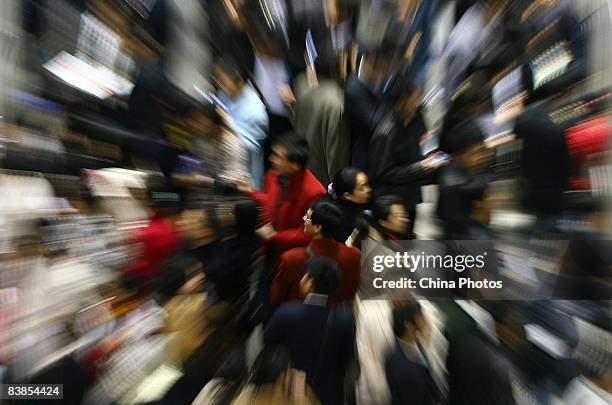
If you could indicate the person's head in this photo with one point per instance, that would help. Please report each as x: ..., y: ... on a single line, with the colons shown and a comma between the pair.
x: 465, y: 143
x: 263, y: 29
x: 322, y: 277
x: 390, y: 213
x: 378, y: 63
x: 408, y: 321
x: 328, y: 64
x: 196, y: 227
x: 406, y: 95
x: 351, y: 184
x: 289, y: 154
x: 229, y: 77
x: 203, y: 119
x: 270, y: 366
x: 322, y: 218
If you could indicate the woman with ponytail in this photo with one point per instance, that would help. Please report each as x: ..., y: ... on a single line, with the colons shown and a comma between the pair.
x: 352, y: 193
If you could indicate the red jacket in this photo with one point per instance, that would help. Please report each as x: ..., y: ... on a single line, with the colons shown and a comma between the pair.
x: 159, y: 240
x: 292, y: 266
x: 302, y: 189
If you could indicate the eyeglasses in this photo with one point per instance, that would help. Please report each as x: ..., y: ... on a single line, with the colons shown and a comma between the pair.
x: 306, y: 219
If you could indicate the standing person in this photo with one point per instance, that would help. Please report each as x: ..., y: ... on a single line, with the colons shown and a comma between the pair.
x: 223, y: 154
x: 160, y: 238
x: 463, y: 183
x: 319, y: 222
x: 289, y: 189
x: 352, y: 193
x: 320, y: 339
x: 362, y: 94
x: 248, y: 113
x: 318, y: 114
x: 545, y: 166
x: 395, y: 162
x: 406, y: 368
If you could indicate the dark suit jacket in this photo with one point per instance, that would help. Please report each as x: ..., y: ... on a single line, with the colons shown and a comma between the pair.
x: 409, y: 382
x: 394, y: 157
x: 300, y: 327
x: 359, y: 107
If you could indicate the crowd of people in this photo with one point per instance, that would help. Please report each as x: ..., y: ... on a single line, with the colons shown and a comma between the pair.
x: 322, y: 125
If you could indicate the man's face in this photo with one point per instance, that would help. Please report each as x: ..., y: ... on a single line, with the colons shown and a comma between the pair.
x: 280, y: 162
x: 397, y: 221
x: 230, y: 86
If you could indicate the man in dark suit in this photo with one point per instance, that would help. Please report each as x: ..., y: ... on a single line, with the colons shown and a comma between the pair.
x: 408, y: 375
x: 320, y: 340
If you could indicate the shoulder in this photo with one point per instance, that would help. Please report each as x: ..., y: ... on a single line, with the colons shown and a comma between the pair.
x: 289, y: 310
x: 315, y: 188
x: 293, y: 256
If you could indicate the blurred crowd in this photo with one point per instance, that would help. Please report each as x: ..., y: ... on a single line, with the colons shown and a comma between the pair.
x: 188, y: 186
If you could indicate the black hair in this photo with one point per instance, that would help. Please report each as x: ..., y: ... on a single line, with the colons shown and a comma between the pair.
x: 400, y: 86
x: 345, y: 181
x: 327, y: 214
x: 406, y: 312
x: 324, y: 274
x: 382, y: 206
x: 228, y: 64
x: 260, y: 29
x: 461, y: 137
x: 297, y: 147
x: 271, y: 362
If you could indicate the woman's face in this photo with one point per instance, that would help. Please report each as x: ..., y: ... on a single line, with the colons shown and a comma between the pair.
x: 362, y: 192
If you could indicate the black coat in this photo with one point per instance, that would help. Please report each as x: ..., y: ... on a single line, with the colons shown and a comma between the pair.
x: 409, y: 382
x: 545, y: 162
x: 350, y: 212
x: 301, y: 328
x: 394, y: 158
x: 459, y: 190
x: 359, y: 108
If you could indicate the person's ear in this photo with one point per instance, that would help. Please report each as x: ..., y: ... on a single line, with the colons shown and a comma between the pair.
x: 317, y: 228
x: 347, y: 196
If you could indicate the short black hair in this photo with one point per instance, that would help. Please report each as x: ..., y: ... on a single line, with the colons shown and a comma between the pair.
x: 461, y: 137
x: 327, y: 214
x: 345, y: 181
x: 324, y: 274
x: 406, y: 312
x: 271, y: 362
x: 228, y: 64
x: 296, y: 145
x: 382, y: 206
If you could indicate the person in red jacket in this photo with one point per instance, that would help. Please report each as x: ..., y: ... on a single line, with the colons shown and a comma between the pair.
x: 289, y: 189
x: 159, y: 239
x: 319, y: 222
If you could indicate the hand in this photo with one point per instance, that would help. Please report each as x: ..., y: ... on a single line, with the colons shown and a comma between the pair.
x: 266, y: 232
x: 433, y: 162
x: 286, y: 94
